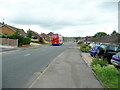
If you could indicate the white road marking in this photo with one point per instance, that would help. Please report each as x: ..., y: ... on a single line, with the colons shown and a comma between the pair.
x: 27, y: 54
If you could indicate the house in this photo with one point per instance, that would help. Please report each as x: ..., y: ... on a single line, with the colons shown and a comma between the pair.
x: 45, y: 36
x: 8, y: 30
x: 1, y: 26
x: 50, y: 34
x: 35, y: 35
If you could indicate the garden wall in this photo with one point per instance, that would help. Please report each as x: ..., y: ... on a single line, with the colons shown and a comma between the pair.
x: 9, y: 42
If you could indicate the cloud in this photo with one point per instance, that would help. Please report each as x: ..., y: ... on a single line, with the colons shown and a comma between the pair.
x: 59, y: 15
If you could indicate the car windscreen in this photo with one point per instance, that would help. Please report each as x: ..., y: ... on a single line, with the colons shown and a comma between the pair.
x: 113, y: 48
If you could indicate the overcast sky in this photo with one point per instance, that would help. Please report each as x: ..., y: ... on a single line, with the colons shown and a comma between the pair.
x: 67, y: 17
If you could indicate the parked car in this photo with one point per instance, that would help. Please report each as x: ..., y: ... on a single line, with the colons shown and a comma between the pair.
x: 91, y: 44
x: 94, y: 50
x: 107, y: 51
x: 116, y: 59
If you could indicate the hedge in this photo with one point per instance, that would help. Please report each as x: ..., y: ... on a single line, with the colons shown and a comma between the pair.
x: 21, y: 39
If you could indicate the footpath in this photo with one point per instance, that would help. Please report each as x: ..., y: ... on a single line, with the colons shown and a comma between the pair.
x: 68, y: 70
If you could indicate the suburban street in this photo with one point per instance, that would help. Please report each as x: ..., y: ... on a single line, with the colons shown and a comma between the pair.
x: 21, y: 68
x: 59, y: 44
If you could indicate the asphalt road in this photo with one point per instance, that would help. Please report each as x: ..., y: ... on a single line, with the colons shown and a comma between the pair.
x: 20, y: 69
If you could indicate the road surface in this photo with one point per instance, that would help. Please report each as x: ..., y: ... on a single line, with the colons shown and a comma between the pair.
x: 20, y: 69
x: 67, y: 69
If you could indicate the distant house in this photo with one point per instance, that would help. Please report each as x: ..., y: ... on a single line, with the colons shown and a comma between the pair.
x: 45, y: 36
x: 8, y: 30
x: 37, y: 36
x: 50, y: 34
x: 88, y: 38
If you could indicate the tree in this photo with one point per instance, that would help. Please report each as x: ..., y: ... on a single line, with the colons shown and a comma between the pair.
x: 114, y: 33
x: 21, y: 39
x: 29, y: 33
x: 100, y: 34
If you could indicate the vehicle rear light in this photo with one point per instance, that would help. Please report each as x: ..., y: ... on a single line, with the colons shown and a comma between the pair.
x: 104, y: 53
x: 93, y: 49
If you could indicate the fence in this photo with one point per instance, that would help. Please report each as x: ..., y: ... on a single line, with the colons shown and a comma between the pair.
x: 8, y: 42
x: 107, y: 39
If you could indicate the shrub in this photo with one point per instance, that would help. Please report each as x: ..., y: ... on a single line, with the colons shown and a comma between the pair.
x: 4, y: 36
x: 84, y: 47
x: 21, y: 39
x: 26, y: 40
x: 99, y: 61
x: 107, y: 75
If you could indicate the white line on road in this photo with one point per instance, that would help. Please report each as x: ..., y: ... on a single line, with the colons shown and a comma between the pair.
x: 27, y: 54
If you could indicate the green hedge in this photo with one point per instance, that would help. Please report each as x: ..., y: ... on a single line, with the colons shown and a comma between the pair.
x: 107, y: 74
x: 99, y: 61
x: 21, y: 39
x: 4, y: 36
x: 84, y: 47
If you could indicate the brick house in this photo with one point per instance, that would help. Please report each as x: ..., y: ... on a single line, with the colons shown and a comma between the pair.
x: 35, y: 35
x: 8, y: 30
x: 50, y: 34
x: 45, y: 36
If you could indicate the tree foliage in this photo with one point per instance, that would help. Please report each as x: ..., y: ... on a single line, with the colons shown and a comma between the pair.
x: 100, y: 34
x: 114, y: 33
x: 29, y: 33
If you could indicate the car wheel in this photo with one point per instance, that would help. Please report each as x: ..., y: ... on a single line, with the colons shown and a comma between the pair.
x: 91, y: 55
x: 96, y: 55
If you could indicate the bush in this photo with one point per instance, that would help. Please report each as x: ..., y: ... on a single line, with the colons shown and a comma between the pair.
x: 4, y: 36
x: 26, y: 40
x: 107, y: 75
x: 99, y: 61
x: 84, y: 47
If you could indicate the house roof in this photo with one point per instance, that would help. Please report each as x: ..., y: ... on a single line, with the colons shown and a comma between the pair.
x: 51, y: 33
x: 36, y: 33
x: 21, y: 31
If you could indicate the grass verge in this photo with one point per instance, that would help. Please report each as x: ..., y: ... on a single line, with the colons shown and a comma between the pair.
x: 107, y: 74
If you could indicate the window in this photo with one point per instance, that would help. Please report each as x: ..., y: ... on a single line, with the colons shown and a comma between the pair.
x: 113, y: 48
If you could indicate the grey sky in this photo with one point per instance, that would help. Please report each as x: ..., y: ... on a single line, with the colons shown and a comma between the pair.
x: 68, y: 17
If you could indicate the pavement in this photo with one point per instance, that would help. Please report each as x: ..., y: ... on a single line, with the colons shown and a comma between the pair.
x: 68, y: 70
x: 5, y: 48
x: 87, y: 58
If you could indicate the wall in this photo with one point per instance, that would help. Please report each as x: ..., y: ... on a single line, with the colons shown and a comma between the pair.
x: 10, y: 42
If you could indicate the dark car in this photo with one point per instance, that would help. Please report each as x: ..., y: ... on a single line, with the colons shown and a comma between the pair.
x: 94, y: 50
x: 116, y: 59
x: 107, y: 51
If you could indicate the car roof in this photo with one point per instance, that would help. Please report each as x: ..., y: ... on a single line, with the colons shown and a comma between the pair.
x: 96, y: 45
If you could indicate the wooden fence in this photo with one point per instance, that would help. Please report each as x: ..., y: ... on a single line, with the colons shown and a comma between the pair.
x: 9, y: 42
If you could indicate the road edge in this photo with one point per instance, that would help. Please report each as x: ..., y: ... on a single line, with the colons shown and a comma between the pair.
x: 44, y: 69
